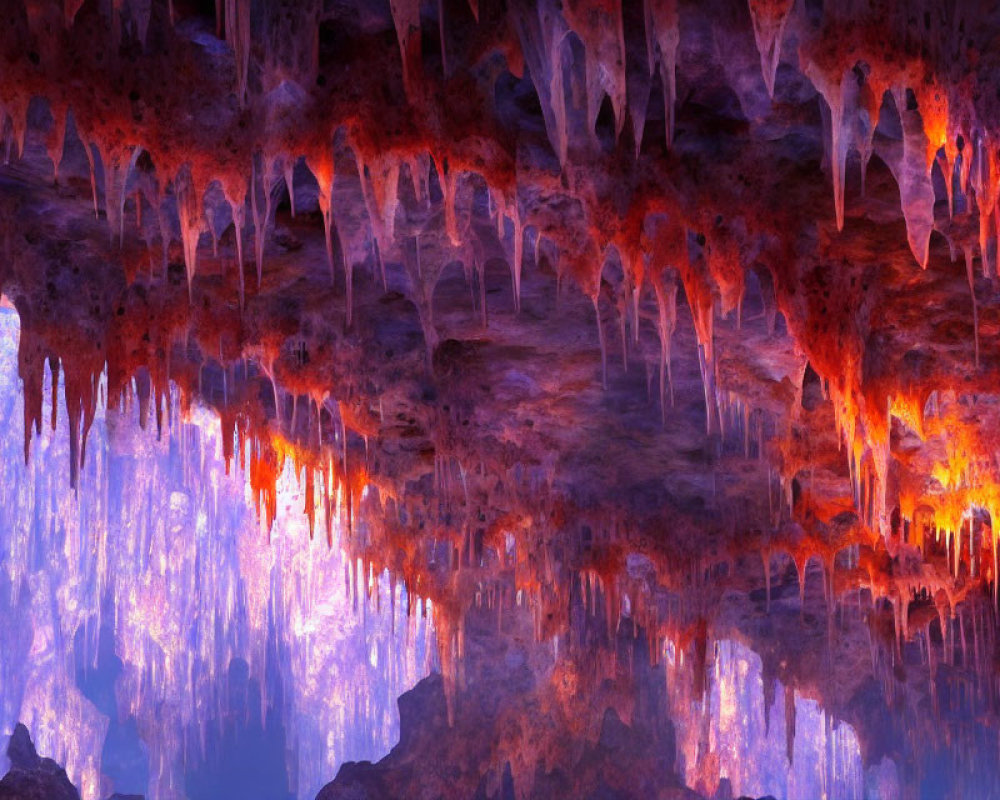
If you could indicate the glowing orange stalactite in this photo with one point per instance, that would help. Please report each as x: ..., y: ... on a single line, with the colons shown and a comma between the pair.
x: 932, y: 101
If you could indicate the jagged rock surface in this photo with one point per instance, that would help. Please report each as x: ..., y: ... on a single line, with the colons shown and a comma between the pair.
x: 533, y: 292
x: 31, y: 777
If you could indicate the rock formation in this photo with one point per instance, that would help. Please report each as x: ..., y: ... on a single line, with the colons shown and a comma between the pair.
x: 547, y: 310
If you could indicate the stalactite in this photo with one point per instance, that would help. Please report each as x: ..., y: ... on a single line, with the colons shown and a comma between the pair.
x: 666, y: 301
x: 915, y: 188
x: 321, y: 165
x: 449, y: 178
x: 235, y: 194
x: 975, y: 308
x: 769, y: 18
x: 288, y: 172
x: 118, y: 164
x: 662, y: 41
x: 55, y: 141
x: 601, y: 30
x: 831, y: 87
x: 601, y: 339
x: 189, y: 212
x: 518, y: 255
x: 237, y: 17
x: 406, y: 18
x: 265, y: 174
x: 986, y: 183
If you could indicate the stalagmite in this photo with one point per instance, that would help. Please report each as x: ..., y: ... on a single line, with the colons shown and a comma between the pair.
x: 769, y: 18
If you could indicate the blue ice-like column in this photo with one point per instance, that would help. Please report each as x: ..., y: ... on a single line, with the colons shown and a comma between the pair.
x: 725, y: 734
x: 217, y: 647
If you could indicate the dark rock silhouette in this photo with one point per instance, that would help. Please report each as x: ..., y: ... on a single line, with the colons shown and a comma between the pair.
x: 31, y: 777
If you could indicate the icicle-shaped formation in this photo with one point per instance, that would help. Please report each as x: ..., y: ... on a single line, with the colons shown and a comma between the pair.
x: 379, y: 176
x: 406, y: 18
x: 266, y: 175
x: 189, y: 212
x: 235, y: 192
x: 932, y: 103
x: 238, y: 37
x: 831, y: 86
x: 118, y: 165
x: 542, y: 31
x: 769, y: 18
x: 163, y: 552
x: 869, y: 108
x: 321, y: 165
x: 70, y: 10
x: 508, y: 209
x: 55, y: 140
x: 908, y: 164
x: 662, y: 41
x: 985, y: 180
x: 975, y: 306
x: 449, y: 179
x: 601, y: 29
x: 16, y: 109
x: 288, y: 173
x: 667, y: 249
x: 665, y: 286
x: 767, y: 740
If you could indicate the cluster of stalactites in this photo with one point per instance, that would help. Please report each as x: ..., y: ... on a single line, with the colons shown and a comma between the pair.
x: 960, y: 498
x: 545, y: 31
x: 941, y: 130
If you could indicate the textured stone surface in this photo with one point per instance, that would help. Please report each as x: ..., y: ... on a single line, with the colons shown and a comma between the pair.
x: 685, y: 308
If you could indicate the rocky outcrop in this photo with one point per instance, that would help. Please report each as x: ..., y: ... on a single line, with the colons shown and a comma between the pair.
x: 525, y: 726
x: 31, y: 777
